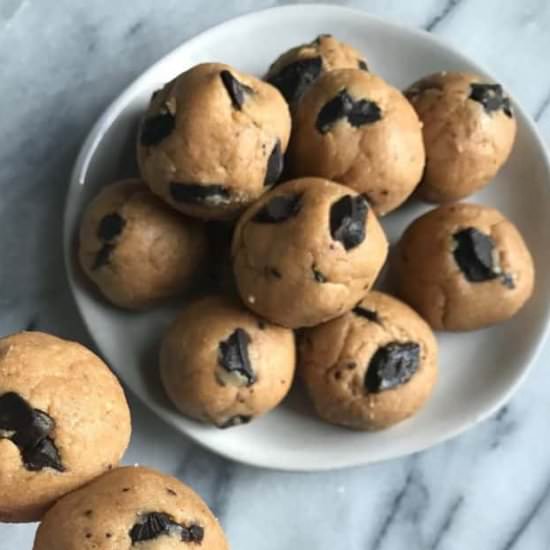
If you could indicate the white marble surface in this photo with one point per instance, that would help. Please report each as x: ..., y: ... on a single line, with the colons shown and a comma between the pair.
x: 61, y: 63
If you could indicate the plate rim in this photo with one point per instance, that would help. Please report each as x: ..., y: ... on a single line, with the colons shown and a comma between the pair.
x: 109, y: 116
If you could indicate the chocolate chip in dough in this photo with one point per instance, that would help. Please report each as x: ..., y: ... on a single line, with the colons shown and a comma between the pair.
x: 347, y: 220
x: 392, y: 365
x: 293, y: 79
x: 233, y: 355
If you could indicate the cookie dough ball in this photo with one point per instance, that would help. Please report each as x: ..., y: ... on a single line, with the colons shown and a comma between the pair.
x: 307, y: 252
x: 468, y: 129
x: 131, y: 507
x: 63, y: 421
x: 221, y: 364
x: 353, y: 128
x: 136, y: 249
x: 463, y: 267
x: 212, y: 141
x: 371, y: 368
x: 295, y: 70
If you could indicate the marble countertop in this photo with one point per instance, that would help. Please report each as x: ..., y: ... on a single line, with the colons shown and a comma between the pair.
x: 61, y: 63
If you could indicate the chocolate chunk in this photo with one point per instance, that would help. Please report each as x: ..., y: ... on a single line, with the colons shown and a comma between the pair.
x: 274, y: 165
x: 198, y: 193
x: 110, y: 226
x: 154, y: 524
x: 279, y: 209
x: 317, y: 275
x: 233, y: 355
x: 362, y: 64
x: 474, y: 254
x: 334, y: 110
x: 43, y: 455
x: 357, y: 113
x: 348, y: 217
x: 103, y: 256
x: 196, y: 532
x: 364, y: 112
x: 492, y: 97
x: 235, y: 421
x: 368, y: 314
x: 392, y: 365
x: 293, y: 80
x: 156, y: 128
x: 261, y: 324
x: 15, y: 413
x: 29, y: 429
x: 36, y: 430
x: 508, y: 281
x: 237, y: 90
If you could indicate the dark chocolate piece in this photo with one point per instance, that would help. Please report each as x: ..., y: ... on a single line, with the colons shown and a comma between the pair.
x: 274, y: 165
x: 198, y: 193
x: 238, y: 420
x: 29, y: 429
x: 334, y: 110
x: 293, y: 79
x: 492, y: 97
x: 154, y: 524
x: 156, y: 128
x: 368, y: 314
x: 348, y: 217
x: 392, y: 365
x: 237, y: 90
x: 318, y: 275
x: 103, y: 256
x: 474, y: 254
x: 357, y: 113
x: 279, y: 209
x: 233, y: 355
x: 364, y: 112
x: 110, y: 227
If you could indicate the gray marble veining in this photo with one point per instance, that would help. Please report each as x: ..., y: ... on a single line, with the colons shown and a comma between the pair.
x: 61, y: 63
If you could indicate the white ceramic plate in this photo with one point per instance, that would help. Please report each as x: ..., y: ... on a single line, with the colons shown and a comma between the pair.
x: 479, y: 371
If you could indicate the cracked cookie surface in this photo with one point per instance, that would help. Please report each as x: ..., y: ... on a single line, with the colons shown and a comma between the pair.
x: 223, y: 365
x: 307, y: 251
x: 131, y: 508
x: 212, y: 141
x: 369, y: 371
x: 63, y: 421
x: 469, y: 129
x: 353, y: 128
x: 136, y: 249
x: 464, y: 266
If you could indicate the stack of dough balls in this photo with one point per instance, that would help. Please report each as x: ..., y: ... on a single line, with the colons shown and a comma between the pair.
x: 292, y: 174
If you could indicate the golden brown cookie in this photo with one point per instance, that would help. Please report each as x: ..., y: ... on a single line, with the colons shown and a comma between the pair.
x: 371, y: 368
x: 354, y: 128
x: 295, y: 70
x: 131, y: 508
x: 212, y: 141
x: 307, y: 252
x: 463, y: 267
x: 469, y: 130
x: 63, y: 421
x: 221, y: 364
x: 136, y: 249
